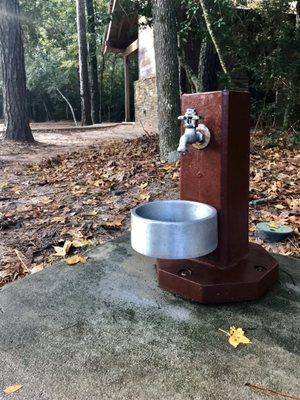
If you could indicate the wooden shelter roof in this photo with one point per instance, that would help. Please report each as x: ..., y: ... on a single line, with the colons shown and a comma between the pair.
x: 122, y: 30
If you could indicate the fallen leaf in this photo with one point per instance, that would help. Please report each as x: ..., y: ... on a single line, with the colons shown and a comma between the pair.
x: 115, y: 223
x: 89, y: 202
x: 12, y: 389
x: 236, y: 336
x: 273, y: 225
x: 98, y: 183
x: 47, y: 201
x: 169, y: 167
x: 61, y: 220
x: 16, y: 190
x: 25, y: 262
x: 279, y: 206
x: 37, y: 268
x: 63, y: 251
x: 144, y: 197
x: 76, y: 259
x: 144, y: 185
x: 83, y: 243
x: 91, y: 213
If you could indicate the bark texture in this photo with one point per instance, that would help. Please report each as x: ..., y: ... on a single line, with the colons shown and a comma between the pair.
x: 13, y: 73
x: 85, y: 94
x: 95, y: 95
x: 207, y: 69
x: 167, y: 72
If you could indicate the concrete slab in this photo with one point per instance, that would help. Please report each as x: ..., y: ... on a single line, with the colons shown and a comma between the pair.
x: 104, y: 330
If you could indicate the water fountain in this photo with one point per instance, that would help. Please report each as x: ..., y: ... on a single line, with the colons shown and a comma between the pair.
x: 201, y: 241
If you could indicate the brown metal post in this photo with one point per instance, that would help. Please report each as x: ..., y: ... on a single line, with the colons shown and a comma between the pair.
x: 219, y: 176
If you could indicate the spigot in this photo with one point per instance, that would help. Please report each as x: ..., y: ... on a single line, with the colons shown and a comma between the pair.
x: 192, y: 133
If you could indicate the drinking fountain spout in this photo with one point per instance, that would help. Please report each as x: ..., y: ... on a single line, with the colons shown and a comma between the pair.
x: 193, y: 133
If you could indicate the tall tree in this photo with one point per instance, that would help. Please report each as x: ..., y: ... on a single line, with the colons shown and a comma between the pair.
x: 93, y: 61
x: 13, y: 72
x: 83, y: 64
x: 167, y: 73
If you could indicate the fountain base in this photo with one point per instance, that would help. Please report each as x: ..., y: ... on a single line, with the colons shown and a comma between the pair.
x: 204, y: 282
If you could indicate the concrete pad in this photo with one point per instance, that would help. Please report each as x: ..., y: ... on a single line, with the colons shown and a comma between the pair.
x: 104, y: 331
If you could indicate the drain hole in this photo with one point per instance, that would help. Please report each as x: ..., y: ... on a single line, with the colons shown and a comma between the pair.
x: 260, y: 268
x: 184, y: 272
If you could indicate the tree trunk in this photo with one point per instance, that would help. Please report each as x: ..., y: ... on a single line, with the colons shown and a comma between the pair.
x: 13, y: 72
x: 102, y: 67
x: 167, y: 74
x: 93, y: 62
x: 83, y: 65
x: 207, y: 68
x: 112, y: 82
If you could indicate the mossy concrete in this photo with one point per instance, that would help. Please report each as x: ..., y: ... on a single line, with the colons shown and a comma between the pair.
x: 105, y: 331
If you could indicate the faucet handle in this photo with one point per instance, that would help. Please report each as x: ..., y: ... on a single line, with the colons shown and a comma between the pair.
x: 189, y: 117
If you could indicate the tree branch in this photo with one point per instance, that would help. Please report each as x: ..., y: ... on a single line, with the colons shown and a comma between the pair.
x: 70, y: 106
x: 213, y: 37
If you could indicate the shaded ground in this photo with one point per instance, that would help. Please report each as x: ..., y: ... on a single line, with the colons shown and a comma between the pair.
x: 81, y: 185
x: 57, y: 141
x: 104, y: 330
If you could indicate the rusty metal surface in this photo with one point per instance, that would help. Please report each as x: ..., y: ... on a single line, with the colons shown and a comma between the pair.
x: 219, y: 176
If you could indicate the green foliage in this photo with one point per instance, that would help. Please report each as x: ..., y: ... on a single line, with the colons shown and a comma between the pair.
x: 51, y: 50
x: 260, y: 45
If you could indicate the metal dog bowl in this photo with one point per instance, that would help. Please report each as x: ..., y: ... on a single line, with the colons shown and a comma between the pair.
x: 174, y: 229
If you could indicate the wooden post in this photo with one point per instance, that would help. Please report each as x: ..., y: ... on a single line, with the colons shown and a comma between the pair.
x: 127, y: 89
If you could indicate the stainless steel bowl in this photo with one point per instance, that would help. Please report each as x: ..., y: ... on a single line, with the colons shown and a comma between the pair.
x: 174, y: 229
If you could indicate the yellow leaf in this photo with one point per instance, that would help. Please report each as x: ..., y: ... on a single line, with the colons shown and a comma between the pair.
x: 22, y: 209
x: 12, y: 389
x: 91, y: 213
x: 273, y: 225
x: 279, y: 207
x: 59, y: 219
x: 83, y: 243
x: 98, y: 183
x: 76, y: 259
x: 77, y: 190
x: 89, y: 201
x: 236, y: 336
x: 144, y: 185
x: 63, y: 251
x: 144, y: 197
x: 115, y: 223
x: 47, y: 201
x: 169, y: 167
x: 16, y: 190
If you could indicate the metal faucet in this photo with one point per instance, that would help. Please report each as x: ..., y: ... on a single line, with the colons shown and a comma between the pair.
x: 192, y: 133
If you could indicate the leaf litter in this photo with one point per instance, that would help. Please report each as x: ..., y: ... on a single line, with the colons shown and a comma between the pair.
x: 73, y: 200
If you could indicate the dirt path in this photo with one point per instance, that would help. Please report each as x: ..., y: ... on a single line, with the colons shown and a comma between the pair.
x: 49, y: 144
